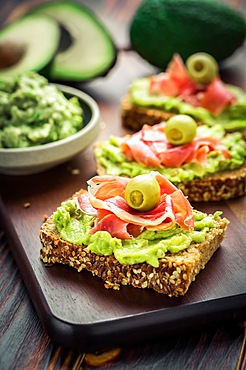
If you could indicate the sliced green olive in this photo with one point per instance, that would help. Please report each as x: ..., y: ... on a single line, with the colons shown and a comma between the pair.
x: 142, y: 193
x: 202, y: 68
x: 180, y: 129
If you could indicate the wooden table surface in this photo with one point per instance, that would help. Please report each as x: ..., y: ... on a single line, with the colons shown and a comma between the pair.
x: 24, y: 343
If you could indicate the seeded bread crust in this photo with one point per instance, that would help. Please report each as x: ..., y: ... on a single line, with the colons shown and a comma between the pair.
x: 219, y: 186
x: 173, y: 276
x: 135, y: 117
x: 222, y: 186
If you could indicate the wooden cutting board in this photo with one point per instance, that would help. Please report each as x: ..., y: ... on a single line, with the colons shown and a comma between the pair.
x: 75, y: 308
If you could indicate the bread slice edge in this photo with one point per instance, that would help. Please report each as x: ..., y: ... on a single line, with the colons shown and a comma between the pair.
x: 219, y: 186
x: 173, y: 276
x: 135, y: 116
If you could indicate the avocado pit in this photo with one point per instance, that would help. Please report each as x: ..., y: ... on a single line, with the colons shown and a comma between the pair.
x: 11, y: 52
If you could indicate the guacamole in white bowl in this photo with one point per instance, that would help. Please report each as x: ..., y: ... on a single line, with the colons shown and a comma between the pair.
x: 42, y: 124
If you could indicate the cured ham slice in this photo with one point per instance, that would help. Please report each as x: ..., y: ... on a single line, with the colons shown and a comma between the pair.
x: 181, y: 207
x: 113, y: 225
x: 108, y: 186
x: 151, y: 148
x: 164, y: 84
x: 179, y: 75
x: 176, y: 82
x: 119, y: 207
x: 216, y: 97
x: 114, y: 215
x: 84, y: 204
x: 138, y: 149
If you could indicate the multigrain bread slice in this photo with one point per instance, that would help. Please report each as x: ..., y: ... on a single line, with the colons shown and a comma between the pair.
x: 135, y: 116
x: 223, y: 185
x: 173, y: 276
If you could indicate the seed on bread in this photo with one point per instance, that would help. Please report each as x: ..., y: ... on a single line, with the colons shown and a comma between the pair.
x: 223, y: 185
x: 173, y: 276
x: 135, y: 117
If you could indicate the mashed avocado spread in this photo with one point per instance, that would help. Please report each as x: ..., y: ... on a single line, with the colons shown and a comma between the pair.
x: 34, y: 112
x: 109, y: 155
x: 232, y: 118
x: 74, y: 226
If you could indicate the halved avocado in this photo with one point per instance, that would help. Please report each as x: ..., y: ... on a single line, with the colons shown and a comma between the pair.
x: 91, y: 53
x: 24, y: 46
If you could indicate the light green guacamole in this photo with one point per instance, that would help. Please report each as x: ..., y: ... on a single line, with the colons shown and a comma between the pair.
x: 34, y: 112
x: 74, y: 226
x: 109, y: 155
x: 232, y: 118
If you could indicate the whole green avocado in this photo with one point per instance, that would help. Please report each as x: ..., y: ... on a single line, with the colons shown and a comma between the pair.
x: 160, y: 28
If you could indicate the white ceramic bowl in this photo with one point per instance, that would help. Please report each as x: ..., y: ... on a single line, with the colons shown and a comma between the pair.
x: 26, y: 161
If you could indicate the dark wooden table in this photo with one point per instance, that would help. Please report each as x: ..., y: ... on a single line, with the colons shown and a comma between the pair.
x: 24, y: 343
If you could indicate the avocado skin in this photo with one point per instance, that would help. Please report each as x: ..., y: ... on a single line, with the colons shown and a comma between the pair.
x: 161, y: 28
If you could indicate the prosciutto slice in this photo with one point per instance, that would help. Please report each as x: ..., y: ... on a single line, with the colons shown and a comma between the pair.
x: 151, y: 148
x: 216, y: 97
x: 139, y: 149
x: 115, y: 216
x: 175, y: 81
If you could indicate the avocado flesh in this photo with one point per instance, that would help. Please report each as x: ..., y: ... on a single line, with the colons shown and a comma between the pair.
x: 31, y: 31
x: 92, y: 51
